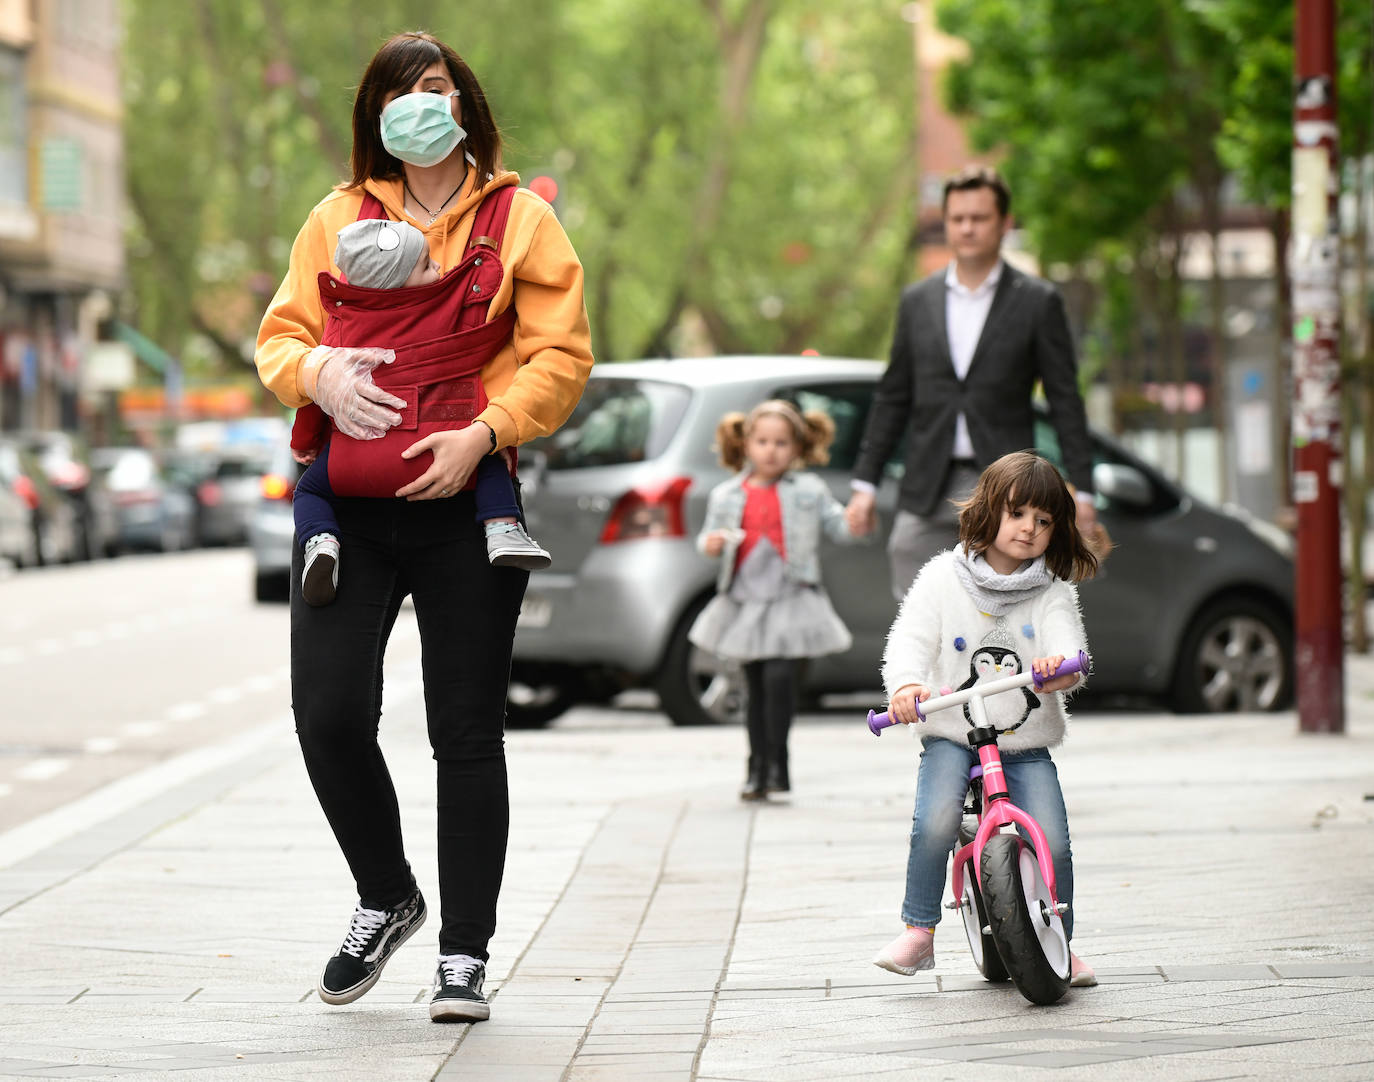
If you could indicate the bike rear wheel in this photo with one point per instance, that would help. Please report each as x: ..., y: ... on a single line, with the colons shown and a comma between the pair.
x: 980, y: 944
x: 1028, y: 932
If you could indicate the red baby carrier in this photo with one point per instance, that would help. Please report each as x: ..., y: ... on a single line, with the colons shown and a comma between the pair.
x: 442, y: 341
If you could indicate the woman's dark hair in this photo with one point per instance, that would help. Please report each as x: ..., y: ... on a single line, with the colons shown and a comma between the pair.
x: 1023, y: 477
x: 395, y: 68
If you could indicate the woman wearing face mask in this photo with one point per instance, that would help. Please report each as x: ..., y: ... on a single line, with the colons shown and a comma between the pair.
x: 509, y: 357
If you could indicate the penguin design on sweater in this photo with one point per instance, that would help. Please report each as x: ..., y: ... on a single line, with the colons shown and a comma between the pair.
x: 1006, y: 712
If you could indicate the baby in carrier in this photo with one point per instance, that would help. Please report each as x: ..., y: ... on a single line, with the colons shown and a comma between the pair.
x: 376, y: 253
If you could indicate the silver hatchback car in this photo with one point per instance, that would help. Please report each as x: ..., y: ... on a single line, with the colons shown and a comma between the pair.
x: 1194, y: 605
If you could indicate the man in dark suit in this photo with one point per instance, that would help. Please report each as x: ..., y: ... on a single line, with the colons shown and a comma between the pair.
x: 971, y: 343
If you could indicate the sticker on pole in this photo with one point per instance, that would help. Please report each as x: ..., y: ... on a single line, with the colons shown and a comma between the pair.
x: 1305, y: 486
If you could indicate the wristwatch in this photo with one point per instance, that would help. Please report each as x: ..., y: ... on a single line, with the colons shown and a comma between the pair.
x: 492, y: 433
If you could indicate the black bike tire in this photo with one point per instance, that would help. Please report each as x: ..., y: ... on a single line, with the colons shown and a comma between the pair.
x: 1017, y: 944
x: 991, y: 966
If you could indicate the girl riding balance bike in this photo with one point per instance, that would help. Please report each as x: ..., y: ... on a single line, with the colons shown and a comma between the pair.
x: 1001, y: 603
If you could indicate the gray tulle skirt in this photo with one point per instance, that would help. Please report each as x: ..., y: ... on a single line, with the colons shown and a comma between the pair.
x: 799, y: 622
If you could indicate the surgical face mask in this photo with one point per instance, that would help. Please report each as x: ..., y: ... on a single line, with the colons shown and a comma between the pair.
x: 420, y: 129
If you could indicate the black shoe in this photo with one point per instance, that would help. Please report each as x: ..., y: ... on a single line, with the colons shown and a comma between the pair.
x: 458, y: 990
x: 373, y: 936
x: 754, y: 788
x: 778, y: 781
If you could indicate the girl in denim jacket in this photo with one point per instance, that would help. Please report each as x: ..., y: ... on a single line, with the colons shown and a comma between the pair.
x: 770, y: 609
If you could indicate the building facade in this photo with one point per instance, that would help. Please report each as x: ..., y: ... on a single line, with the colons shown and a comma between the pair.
x: 61, y: 203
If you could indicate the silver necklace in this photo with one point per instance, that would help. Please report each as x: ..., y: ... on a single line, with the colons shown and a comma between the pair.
x: 435, y: 213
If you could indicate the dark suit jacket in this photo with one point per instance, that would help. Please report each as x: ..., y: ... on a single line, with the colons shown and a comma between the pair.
x: 1026, y: 338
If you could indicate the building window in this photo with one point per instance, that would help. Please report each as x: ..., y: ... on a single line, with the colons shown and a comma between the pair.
x: 14, y: 166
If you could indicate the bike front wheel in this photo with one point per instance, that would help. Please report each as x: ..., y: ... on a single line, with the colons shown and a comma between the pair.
x: 982, y: 946
x: 1029, y: 933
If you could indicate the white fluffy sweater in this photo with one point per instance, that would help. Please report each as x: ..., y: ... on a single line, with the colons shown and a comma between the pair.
x: 941, y: 639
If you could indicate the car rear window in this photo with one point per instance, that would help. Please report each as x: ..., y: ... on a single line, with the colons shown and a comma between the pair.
x: 617, y: 421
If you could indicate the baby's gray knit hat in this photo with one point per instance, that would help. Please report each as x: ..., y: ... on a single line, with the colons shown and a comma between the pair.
x: 379, y: 254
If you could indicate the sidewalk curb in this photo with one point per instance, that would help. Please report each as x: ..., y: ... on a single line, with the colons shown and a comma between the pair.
x: 37, y: 855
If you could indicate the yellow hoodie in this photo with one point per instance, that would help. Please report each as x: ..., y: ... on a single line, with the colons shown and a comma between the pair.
x: 534, y: 382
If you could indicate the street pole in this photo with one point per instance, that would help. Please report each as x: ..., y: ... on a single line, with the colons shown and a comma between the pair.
x: 1315, y: 270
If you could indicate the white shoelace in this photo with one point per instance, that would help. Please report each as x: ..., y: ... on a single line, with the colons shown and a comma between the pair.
x: 361, y: 929
x: 458, y: 968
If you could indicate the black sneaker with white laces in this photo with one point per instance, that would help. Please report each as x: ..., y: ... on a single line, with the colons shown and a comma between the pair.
x: 373, y: 937
x: 458, y: 990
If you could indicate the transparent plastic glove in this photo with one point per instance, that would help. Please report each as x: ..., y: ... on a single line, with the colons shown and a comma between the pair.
x: 339, y: 381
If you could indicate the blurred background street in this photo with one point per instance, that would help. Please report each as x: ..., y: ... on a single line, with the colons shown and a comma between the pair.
x: 113, y: 666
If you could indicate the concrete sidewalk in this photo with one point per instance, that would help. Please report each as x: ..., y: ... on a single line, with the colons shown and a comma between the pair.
x: 653, y: 927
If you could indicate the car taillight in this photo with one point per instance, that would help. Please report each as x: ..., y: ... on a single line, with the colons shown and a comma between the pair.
x: 276, y: 487
x: 27, y: 491
x: 209, y: 493
x: 648, y: 511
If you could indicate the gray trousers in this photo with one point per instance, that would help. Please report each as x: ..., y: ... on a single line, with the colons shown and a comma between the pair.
x: 916, y: 538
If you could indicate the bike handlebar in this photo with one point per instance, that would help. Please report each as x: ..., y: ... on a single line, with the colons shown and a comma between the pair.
x: 878, y: 722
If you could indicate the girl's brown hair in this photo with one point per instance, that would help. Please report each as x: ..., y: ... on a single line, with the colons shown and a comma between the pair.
x: 813, y: 430
x: 394, y: 69
x: 1023, y: 477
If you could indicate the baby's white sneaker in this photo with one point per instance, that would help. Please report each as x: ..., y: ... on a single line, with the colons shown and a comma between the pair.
x: 508, y: 545
x: 320, y: 578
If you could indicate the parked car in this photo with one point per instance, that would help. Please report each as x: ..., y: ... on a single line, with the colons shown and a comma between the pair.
x: 54, y: 522
x: 153, y: 509
x: 271, y: 528
x: 1194, y: 605
x: 18, y: 512
x: 66, y: 461
x: 228, y: 493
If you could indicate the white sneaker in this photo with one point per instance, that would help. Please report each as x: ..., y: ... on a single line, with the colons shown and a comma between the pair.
x: 508, y: 545
x: 320, y: 578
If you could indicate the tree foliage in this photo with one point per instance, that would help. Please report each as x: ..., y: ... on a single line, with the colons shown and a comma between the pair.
x: 745, y: 162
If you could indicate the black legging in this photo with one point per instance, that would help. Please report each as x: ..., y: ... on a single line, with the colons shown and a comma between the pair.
x: 436, y: 552
x: 772, y: 686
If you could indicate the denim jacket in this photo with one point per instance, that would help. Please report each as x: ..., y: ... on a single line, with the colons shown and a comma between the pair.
x: 808, y: 508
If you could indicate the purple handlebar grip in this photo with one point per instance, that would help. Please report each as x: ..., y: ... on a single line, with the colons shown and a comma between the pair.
x: 878, y: 722
x: 1069, y: 664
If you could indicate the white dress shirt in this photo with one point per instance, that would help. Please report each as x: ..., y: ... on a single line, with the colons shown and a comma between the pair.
x: 966, y: 310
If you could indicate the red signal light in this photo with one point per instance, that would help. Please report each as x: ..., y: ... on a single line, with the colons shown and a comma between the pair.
x: 545, y: 187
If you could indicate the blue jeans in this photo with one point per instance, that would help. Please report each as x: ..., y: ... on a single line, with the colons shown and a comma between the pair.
x: 312, y: 506
x: 941, y: 783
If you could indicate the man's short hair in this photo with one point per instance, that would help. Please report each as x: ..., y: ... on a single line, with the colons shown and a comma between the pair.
x: 972, y: 177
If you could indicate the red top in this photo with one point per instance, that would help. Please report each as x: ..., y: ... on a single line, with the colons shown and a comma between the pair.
x: 762, y: 518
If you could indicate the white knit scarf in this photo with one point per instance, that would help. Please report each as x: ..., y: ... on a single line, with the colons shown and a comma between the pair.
x: 997, y: 594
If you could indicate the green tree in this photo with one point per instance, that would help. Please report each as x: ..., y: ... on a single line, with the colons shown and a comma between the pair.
x: 1106, y: 115
x: 740, y: 165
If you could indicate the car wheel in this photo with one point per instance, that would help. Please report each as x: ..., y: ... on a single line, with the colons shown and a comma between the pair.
x: 535, y: 699
x: 1237, y: 655
x: 697, y: 688
x: 269, y: 586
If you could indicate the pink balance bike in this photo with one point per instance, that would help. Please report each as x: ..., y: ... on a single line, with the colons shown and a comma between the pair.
x: 1012, y: 915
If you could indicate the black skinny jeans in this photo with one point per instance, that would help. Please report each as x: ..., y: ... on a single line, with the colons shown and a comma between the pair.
x: 435, y: 551
x: 772, y: 685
